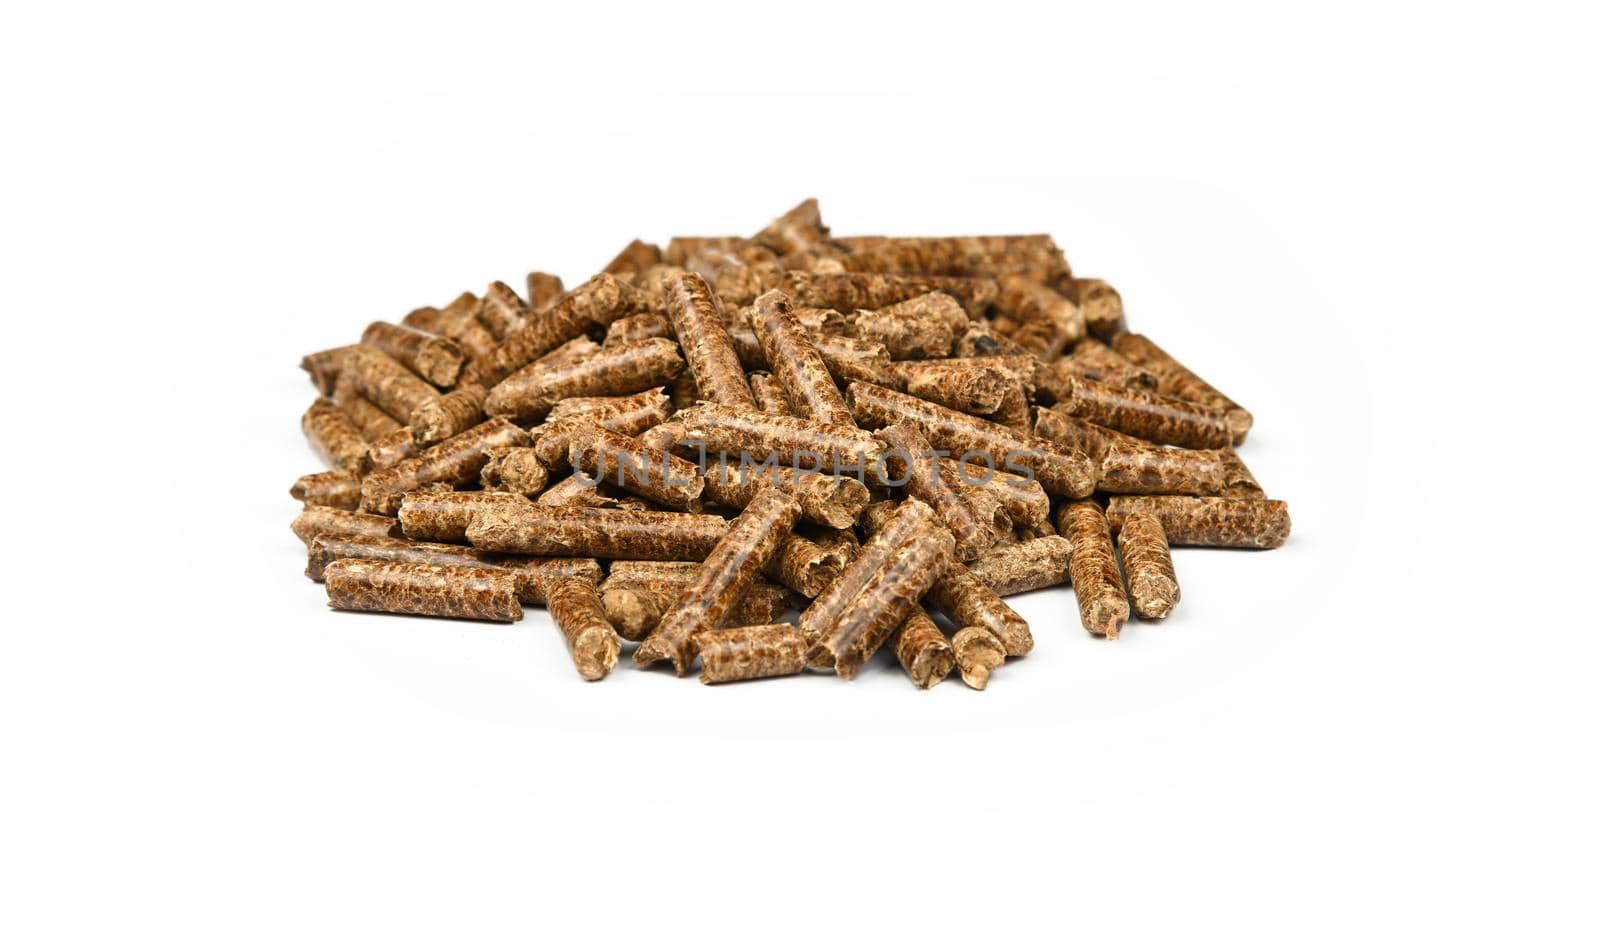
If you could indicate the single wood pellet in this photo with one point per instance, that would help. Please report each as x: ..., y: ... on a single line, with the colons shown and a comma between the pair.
x: 700, y: 438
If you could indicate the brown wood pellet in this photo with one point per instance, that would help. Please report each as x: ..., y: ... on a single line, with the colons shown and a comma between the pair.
x: 704, y: 437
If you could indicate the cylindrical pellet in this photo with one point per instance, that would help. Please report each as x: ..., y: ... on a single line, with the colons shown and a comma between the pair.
x: 795, y: 362
x: 635, y: 607
x: 387, y: 452
x: 1085, y: 436
x: 938, y: 306
x: 418, y: 588
x: 1049, y: 322
x: 597, y: 302
x: 1022, y: 567
x: 316, y: 520
x: 1152, y: 583
x: 381, y: 379
x: 325, y: 367
x: 1175, y: 379
x: 575, y: 491
x: 514, y: 469
x: 770, y: 397
x: 1237, y: 479
x: 606, y: 457
x: 458, y: 321
x: 729, y: 570
x: 373, y: 422
x: 544, y: 291
x: 334, y: 436
x: 978, y: 255
x: 799, y: 442
x: 864, y: 625
x: 1092, y: 359
x: 627, y: 414
x: 532, y: 574
x: 921, y: 648
x: 854, y: 359
x: 1102, y: 304
x: 435, y: 359
x: 1096, y: 578
x: 804, y: 566
x: 908, y: 519
x: 444, y: 516
x: 706, y: 345
x: 911, y: 458
x: 855, y: 291
x: 635, y: 257
x: 826, y: 499
x: 1059, y: 469
x: 735, y: 654
x: 1149, y: 415
x: 961, y: 384
x: 446, y: 416
x: 1023, y: 499
x: 907, y: 337
x: 455, y: 462
x: 543, y: 530
x: 1132, y: 468
x: 575, y: 607
x: 501, y: 310
x: 621, y: 370
x: 977, y: 654
x: 1251, y: 523
x: 334, y: 489
x: 799, y: 229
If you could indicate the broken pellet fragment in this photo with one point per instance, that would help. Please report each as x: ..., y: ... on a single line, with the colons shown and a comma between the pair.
x: 435, y: 359
x: 419, y: 588
x: 734, y: 654
x: 977, y: 654
x: 1102, y: 304
x: 795, y: 362
x: 921, y: 648
x: 1096, y: 578
x: 458, y: 321
x: 501, y: 310
x: 854, y: 359
x: 1150, y: 415
x: 1175, y: 379
x: 325, y: 367
x: 316, y: 520
x: 804, y: 566
x: 868, y: 621
x: 514, y: 469
x: 697, y: 319
x: 575, y: 607
x: 334, y: 436
x: 635, y: 604
x: 455, y: 462
x: 1251, y: 523
x: 1023, y: 567
x: 382, y: 380
x: 334, y: 489
x: 1152, y: 583
x: 605, y: 533
x: 730, y: 568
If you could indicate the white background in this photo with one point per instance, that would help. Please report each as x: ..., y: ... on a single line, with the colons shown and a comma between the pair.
x: 1373, y: 226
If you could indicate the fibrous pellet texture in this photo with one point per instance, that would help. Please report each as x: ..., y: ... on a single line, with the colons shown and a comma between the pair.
x: 697, y: 319
x: 455, y: 462
x: 544, y: 290
x: 1149, y: 415
x: 770, y: 397
x: 1060, y: 470
x: 1085, y: 436
x: 612, y: 371
x: 1251, y: 523
x: 382, y: 380
x: 420, y: 588
x: 1022, y: 567
x: 514, y: 469
x: 1092, y: 359
x: 973, y: 387
x: 458, y: 321
x: 325, y: 367
x: 735, y: 654
x: 856, y: 291
x: 906, y: 520
x: 577, y: 491
x: 444, y: 516
x: 727, y: 573
x: 1238, y: 481
x: 386, y: 452
x: 1024, y: 499
x: 921, y: 648
x: 907, y: 337
x: 796, y: 363
x: 446, y: 416
x: 1047, y: 322
x: 854, y: 359
x: 909, y: 457
x: 334, y: 436
x: 804, y: 566
x: 627, y: 414
x: 977, y: 654
x: 1127, y: 467
x: 531, y: 574
x: 435, y: 359
x: 635, y: 605
x: 868, y: 621
x: 1175, y: 379
x: 606, y: 533
x: 574, y: 605
x: 1152, y: 583
x: 1096, y: 578
x: 798, y: 442
x: 373, y: 421
x: 316, y: 520
x: 824, y: 498
x: 1102, y: 304
x: 606, y: 457
x: 639, y: 327
x: 635, y: 257
x: 597, y: 302
x: 334, y: 489
x: 994, y: 255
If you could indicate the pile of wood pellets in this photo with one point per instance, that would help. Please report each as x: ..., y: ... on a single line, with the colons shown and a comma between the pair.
x: 884, y: 436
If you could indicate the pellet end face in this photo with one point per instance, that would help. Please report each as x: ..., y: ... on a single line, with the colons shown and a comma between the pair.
x: 595, y: 652
x: 931, y: 666
x: 977, y: 653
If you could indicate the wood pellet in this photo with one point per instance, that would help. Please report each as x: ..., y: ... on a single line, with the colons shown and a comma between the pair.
x: 774, y: 454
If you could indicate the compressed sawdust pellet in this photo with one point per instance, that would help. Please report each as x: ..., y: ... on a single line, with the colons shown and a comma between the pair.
x: 1250, y: 523
x: 574, y: 605
x: 781, y: 374
x: 435, y: 359
x: 419, y: 588
x: 1096, y: 578
x: 333, y: 489
x: 730, y: 568
x: 1152, y: 583
x: 735, y: 654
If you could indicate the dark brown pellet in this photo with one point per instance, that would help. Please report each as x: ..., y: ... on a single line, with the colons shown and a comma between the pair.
x: 418, y: 588
x: 1096, y: 578
x: 730, y: 568
x: 736, y: 654
x: 435, y: 359
x: 1250, y: 523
